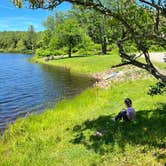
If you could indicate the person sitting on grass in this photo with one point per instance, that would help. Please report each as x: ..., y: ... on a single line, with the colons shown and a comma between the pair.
x: 126, y: 114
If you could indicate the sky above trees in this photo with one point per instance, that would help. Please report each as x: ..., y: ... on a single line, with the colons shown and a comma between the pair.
x: 14, y: 19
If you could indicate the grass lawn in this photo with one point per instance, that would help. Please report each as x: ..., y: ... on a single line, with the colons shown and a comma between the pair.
x: 65, y: 135
x: 92, y: 64
x: 87, y: 64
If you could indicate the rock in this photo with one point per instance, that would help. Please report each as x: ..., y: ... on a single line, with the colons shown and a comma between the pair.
x: 46, y: 58
x: 112, y: 75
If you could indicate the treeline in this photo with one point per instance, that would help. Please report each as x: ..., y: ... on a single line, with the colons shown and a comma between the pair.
x: 19, y: 41
x: 78, y: 31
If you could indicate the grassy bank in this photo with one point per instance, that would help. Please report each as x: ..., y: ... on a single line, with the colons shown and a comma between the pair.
x: 85, y: 64
x: 65, y: 135
x: 91, y: 64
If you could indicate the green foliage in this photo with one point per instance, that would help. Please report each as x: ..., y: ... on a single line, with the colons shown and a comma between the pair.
x: 78, y: 30
x: 158, y: 88
x: 69, y: 34
x: 20, y: 46
x: 43, y: 52
x: 130, y: 47
x: 54, y: 43
x: 45, y: 39
x: 97, y: 25
x: 31, y: 38
x: 47, y: 52
x: 82, y: 31
x: 23, y: 42
x: 156, y: 48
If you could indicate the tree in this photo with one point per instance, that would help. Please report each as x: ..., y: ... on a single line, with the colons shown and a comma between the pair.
x: 141, y: 22
x: 97, y: 25
x: 31, y: 38
x: 53, y: 21
x: 20, y: 46
x: 69, y: 34
x: 45, y: 38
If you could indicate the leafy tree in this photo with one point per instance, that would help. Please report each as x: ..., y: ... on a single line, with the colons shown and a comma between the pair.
x: 53, y: 21
x: 69, y: 34
x: 31, y: 37
x: 141, y: 22
x: 20, y: 46
x: 45, y: 38
x: 97, y: 25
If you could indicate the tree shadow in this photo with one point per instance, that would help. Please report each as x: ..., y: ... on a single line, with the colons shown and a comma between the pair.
x: 148, y: 129
x: 75, y: 56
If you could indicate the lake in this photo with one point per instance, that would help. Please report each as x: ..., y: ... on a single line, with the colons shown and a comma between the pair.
x: 30, y: 88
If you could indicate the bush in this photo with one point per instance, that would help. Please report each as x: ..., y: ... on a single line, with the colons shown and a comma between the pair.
x: 131, y: 48
x: 47, y: 52
x: 158, y: 88
x: 113, y: 46
x: 58, y: 52
x: 42, y: 52
x: 96, y: 47
x: 85, y: 52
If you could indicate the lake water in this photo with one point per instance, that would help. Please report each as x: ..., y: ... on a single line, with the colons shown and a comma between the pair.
x: 30, y: 88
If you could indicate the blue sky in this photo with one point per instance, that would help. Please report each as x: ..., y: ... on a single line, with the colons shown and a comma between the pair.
x: 13, y: 19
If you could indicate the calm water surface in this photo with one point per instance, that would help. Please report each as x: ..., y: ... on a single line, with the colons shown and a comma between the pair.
x: 28, y: 87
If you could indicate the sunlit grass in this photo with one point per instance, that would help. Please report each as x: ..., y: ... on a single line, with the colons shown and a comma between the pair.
x: 87, y: 64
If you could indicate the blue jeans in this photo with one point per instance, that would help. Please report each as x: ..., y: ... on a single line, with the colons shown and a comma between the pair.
x: 122, y: 115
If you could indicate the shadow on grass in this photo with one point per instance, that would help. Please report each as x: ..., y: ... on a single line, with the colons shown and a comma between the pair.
x: 75, y: 56
x: 149, y: 129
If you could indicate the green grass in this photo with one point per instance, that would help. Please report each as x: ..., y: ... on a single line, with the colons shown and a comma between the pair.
x: 87, y: 64
x: 92, y: 64
x: 65, y: 135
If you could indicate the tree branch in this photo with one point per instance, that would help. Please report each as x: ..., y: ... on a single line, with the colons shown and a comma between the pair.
x: 156, y: 6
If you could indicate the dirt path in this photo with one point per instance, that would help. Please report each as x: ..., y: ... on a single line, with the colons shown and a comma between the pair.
x: 158, y: 56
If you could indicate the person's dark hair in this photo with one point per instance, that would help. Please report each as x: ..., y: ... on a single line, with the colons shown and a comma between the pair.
x: 128, y: 102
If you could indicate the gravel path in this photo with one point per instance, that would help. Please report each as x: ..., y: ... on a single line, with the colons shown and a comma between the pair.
x: 158, y: 56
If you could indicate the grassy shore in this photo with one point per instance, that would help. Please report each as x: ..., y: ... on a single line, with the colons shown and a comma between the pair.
x: 65, y: 135
x: 85, y: 64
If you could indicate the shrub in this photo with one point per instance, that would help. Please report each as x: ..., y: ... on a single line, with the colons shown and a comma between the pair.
x: 42, y: 52
x: 85, y: 52
x: 158, y: 88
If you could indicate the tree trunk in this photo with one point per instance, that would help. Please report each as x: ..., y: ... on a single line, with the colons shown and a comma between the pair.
x: 70, y: 50
x: 104, y: 46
